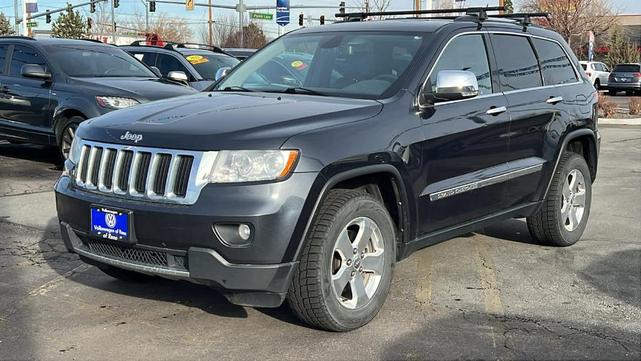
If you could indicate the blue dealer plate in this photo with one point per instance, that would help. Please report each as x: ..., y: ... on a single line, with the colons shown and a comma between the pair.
x: 110, y: 224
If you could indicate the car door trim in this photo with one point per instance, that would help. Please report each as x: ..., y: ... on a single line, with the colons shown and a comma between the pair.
x: 467, y: 187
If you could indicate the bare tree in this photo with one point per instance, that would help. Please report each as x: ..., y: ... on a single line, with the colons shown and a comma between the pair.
x: 169, y: 28
x: 102, y: 22
x: 372, y: 5
x: 572, y: 18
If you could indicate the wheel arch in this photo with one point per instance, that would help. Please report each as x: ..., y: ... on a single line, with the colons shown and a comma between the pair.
x: 60, y: 116
x: 383, y: 181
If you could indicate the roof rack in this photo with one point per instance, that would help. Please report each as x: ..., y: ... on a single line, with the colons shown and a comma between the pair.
x: 481, y: 13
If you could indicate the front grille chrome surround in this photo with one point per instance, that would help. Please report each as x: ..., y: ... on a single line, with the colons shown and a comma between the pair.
x: 143, y: 173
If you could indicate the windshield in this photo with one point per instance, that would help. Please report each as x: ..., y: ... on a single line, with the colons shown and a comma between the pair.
x: 353, y: 64
x: 97, y: 61
x: 627, y: 68
x: 208, y: 64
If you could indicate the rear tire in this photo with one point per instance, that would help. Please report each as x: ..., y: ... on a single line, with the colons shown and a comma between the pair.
x: 341, y: 283
x: 612, y: 92
x: 629, y: 93
x: 65, y: 134
x: 597, y: 84
x: 564, y: 213
x: 125, y: 275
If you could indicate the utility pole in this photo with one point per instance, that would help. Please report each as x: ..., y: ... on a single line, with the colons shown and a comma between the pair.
x: 113, y: 22
x: 501, y: 4
x: 241, y: 20
x: 16, y: 14
x: 210, y: 25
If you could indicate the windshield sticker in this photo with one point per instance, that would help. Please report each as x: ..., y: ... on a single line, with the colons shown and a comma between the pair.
x: 298, y: 65
x: 197, y: 59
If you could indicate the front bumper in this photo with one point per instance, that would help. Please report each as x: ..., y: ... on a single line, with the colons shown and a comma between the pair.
x: 178, y: 241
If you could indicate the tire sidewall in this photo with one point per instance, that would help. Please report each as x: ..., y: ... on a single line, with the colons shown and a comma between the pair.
x: 577, y: 162
x: 62, y: 127
x: 358, y: 207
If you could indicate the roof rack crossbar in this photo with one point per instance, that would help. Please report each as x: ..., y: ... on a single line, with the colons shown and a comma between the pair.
x: 482, y: 11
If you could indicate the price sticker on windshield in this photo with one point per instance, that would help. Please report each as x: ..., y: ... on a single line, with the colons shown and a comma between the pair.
x: 197, y: 59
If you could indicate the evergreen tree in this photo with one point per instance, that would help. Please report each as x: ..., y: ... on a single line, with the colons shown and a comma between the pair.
x: 621, y: 50
x: 509, y: 7
x: 70, y: 25
x: 5, y: 26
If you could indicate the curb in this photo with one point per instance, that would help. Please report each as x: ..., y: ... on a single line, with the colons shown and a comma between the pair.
x: 628, y: 121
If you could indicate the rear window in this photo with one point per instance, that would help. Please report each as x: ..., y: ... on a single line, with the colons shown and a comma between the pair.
x: 627, y: 68
x: 555, y: 64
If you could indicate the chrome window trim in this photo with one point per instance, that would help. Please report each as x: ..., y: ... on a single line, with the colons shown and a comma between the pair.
x: 464, y: 188
x: 202, y: 164
x: 577, y: 74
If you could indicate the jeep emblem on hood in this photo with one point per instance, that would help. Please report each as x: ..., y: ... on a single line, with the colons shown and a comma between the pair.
x: 131, y: 136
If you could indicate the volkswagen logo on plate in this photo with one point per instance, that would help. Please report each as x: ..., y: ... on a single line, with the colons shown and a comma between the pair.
x: 110, y: 220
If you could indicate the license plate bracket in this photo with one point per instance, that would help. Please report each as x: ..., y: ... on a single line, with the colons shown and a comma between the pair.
x: 111, y: 224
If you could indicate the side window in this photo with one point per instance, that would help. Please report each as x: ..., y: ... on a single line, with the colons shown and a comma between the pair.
x: 167, y: 63
x: 24, y: 55
x: 147, y: 58
x: 466, y: 52
x: 557, y: 68
x: 518, y: 67
x: 3, y: 56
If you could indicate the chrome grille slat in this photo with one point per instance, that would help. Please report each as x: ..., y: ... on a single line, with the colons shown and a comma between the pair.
x: 153, y: 174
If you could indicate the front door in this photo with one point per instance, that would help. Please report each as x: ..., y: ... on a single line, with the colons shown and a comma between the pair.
x: 465, y: 151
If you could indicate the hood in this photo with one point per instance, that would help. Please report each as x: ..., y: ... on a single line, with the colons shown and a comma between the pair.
x: 214, y: 121
x: 143, y: 89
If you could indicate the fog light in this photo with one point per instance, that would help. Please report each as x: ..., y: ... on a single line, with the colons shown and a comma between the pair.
x: 234, y: 234
x: 244, y: 232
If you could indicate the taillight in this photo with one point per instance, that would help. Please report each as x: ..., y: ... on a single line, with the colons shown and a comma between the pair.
x: 636, y: 75
x: 589, y: 74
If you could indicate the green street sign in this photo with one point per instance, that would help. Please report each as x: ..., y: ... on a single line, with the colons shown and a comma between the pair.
x: 261, y: 16
x: 32, y: 24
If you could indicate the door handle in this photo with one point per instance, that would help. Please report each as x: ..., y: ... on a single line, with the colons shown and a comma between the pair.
x: 496, y: 110
x: 554, y: 100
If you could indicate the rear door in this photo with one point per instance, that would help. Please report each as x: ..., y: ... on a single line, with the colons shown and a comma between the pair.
x: 466, y: 146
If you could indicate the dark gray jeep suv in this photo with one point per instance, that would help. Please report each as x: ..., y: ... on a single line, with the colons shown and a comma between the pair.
x: 394, y: 135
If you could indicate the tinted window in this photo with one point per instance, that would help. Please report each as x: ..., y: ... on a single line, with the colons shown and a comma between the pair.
x: 208, y: 64
x: 3, y: 55
x: 518, y: 67
x: 167, y: 63
x: 350, y: 64
x: 629, y: 68
x: 555, y: 64
x: 24, y: 55
x: 466, y: 53
x: 147, y: 58
x: 96, y: 61
x: 584, y: 66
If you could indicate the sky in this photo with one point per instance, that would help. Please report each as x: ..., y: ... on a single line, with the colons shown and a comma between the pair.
x: 197, y: 18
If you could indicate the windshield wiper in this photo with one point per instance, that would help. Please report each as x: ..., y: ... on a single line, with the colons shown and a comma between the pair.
x: 235, y: 88
x: 301, y: 90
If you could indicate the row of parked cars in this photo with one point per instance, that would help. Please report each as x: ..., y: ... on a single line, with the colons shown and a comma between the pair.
x: 49, y: 86
x: 307, y: 171
x: 623, y: 78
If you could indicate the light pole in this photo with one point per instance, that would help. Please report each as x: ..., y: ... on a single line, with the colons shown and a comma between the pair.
x: 144, y: 2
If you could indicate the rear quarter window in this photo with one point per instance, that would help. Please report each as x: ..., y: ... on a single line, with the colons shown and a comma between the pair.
x: 555, y: 64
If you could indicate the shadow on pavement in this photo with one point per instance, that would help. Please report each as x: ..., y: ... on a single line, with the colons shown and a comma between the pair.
x: 617, y: 275
x: 159, y: 289
x: 514, y: 230
x: 31, y: 152
x: 487, y: 336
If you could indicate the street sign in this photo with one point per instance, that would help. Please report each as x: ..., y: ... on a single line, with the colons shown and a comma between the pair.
x: 282, y: 12
x: 261, y: 16
x: 189, y: 4
x: 32, y: 24
x: 31, y: 6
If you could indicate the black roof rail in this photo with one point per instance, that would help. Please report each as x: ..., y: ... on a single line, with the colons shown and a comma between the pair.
x: 524, y: 19
x: 480, y: 11
x: 17, y: 37
x: 94, y: 41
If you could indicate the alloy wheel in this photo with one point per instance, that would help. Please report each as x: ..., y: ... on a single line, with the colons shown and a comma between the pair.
x: 573, y: 200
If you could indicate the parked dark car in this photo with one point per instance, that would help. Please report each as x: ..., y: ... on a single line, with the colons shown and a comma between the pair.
x: 401, y: 134
x: 625, y: 77
x: 180, y: 62
x: 49, y: 86
x: 240, y: 53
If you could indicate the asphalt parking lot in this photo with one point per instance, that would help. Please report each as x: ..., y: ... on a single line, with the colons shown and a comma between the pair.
x: 493, y: 294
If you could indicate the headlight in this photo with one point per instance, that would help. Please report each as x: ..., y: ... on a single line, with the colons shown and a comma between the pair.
x: 116, y: 102
x: 76, y: 149
x: 252, y: 165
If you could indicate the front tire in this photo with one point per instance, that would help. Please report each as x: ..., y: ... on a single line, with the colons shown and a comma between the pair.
x: 564, y: 213
x: 66, y: 133
x: 345, y: 269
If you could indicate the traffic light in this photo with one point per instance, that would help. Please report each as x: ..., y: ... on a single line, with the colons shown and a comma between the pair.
x: 300, y: 19
x: 92, y: 7
x: 116, y: 3
x: 322, y: 20
x: 152, y: 6
x: 89, y: 23
x: 48, y: 17
x: 341, y: 7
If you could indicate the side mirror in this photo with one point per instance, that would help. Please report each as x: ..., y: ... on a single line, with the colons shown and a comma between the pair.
x: 222, y: 72
x: 35, y: 71
x: 156, y: 71
x: 456, y: 84
x: 178, y: 76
